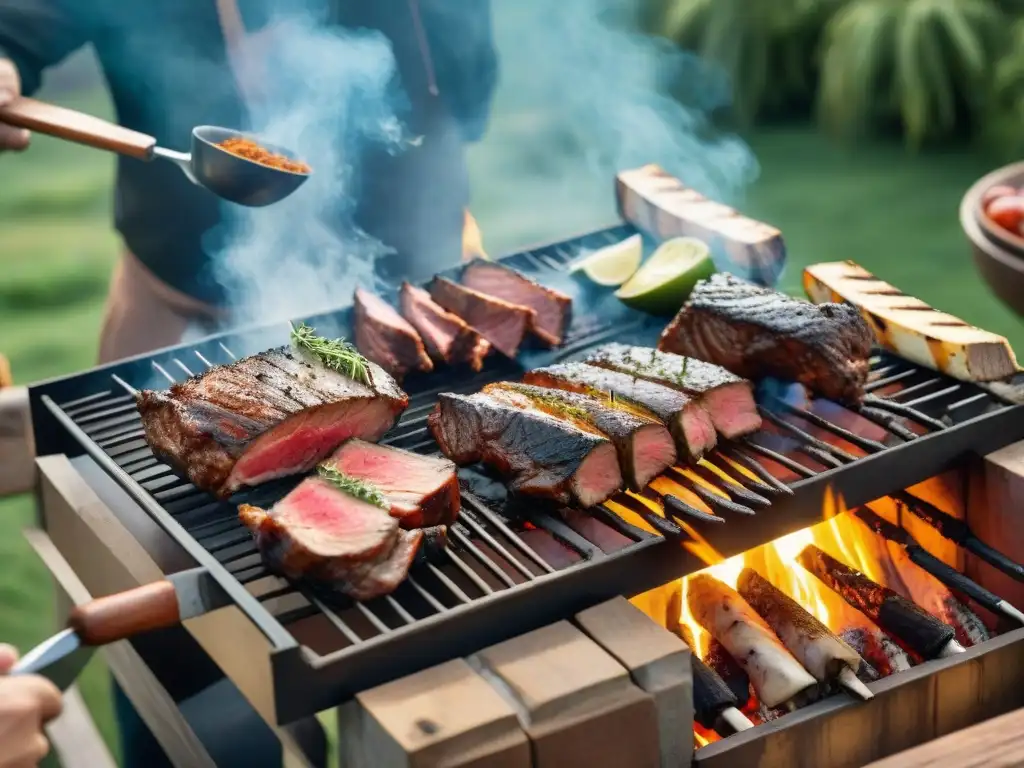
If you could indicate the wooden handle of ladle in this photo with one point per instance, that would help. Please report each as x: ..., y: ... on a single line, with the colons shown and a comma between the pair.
x: 126, y: 614
x: 75, y: 126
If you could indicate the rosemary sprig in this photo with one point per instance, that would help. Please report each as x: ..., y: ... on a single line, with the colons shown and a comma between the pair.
x: 360, y: 489
x: 336, y: 354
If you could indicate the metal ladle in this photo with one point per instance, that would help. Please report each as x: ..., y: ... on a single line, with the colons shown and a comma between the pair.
x: 229, y: 176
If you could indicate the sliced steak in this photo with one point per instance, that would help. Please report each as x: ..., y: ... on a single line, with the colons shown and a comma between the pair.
x: 385, y: 337
x: 688, y: 422
x: 271, y: 415
x: 645, y: 445
x: 500, y: 322
x: 419, y: 490
x: 725, y: 396
x: 321, y: 534
x: 553, y: 309
x: 757, y: 332
x: 447, y: 337
x: 538, y: 454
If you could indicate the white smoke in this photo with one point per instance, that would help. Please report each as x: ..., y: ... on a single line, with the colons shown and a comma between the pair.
x: 327, y: 94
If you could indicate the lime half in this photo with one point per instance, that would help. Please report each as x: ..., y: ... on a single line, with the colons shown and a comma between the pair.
x: 662, y: 284
x: 614, y: 264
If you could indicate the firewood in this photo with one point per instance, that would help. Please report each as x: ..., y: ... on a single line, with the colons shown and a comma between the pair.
x: 910, y: 625
x: 777, y: 677
x: 911, y: 328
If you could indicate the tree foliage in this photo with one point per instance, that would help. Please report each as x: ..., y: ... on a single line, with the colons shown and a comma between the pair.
x: 932, y: 68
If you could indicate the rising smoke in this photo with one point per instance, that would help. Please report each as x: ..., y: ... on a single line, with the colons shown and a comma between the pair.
x: 328, y: 94
x: 589, y: 94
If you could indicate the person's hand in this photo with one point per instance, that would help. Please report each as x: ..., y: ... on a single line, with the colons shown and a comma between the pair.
x: 11, y: 138
x: 27, y: 702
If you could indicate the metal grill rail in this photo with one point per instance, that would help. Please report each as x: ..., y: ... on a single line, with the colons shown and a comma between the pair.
x: 761, y: 487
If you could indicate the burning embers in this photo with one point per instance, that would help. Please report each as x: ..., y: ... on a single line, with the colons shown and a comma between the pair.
x: 821, y: 611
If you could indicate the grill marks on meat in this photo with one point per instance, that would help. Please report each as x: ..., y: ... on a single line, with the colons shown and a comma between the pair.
x: 420, y: 490
x: 271, y: 415
x: 446, y: 336
x: 757, y: 332
x: 538, y: 454
x: 503, y: 324
x: 644, y: 445
x: 688, y: 422
x: 385, y: 337
x: 727, y: 398
x: 319, y: 533
x: 552, y: 309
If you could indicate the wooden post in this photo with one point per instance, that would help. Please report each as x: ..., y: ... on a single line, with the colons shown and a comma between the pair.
x: 658, y: 662
x: 575, y: 702
x: 444, y: 716
x: 17, y: 447
x: 994, y: 512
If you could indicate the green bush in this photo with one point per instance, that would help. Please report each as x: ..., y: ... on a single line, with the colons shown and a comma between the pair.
x: 933, y: 70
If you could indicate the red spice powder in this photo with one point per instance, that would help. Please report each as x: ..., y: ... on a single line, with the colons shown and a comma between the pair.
x: 250, y: 150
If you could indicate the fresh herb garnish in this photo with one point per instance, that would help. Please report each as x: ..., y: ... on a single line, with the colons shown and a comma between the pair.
x: 336, y: 354
x: 360, y: 489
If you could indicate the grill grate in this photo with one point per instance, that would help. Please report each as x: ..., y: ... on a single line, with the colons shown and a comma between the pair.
x: 762, y: 486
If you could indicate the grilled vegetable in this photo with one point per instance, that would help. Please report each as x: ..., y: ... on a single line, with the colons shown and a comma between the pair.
x: 911, y: 328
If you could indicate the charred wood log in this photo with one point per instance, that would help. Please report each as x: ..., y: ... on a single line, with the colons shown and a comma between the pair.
x: 913, y: 628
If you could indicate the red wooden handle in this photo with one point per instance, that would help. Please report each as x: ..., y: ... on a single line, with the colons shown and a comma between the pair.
x: 124, y: 615
x: 75, y: 126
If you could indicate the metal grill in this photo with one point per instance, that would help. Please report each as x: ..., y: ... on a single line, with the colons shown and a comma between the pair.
x: 503, y: 574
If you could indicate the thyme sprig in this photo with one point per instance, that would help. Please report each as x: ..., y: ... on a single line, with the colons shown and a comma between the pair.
x: 336, y: 354
x: 353, y: 486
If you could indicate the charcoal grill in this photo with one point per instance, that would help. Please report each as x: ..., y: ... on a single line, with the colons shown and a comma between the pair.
x: 501, y: 576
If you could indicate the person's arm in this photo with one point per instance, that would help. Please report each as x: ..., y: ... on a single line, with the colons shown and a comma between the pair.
x: 27, y: 703
x: 34, y: 34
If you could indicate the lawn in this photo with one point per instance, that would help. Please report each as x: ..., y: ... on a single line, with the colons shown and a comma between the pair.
x: 893, y: 212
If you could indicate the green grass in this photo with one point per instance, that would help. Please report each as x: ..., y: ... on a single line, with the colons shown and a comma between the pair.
x: 894, y: 213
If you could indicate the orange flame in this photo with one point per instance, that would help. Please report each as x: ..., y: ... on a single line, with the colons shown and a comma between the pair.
x: 472, y: 239
x: 776, y: 561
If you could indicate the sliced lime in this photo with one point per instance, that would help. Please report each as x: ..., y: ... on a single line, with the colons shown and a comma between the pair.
x: 614, y: 264
x: 665, y: 281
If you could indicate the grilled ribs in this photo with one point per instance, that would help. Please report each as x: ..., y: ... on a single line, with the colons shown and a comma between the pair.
x: 553, y: 309
x: 756, y: 332
x: 644, y: 445
x: 385, y: 337
x: 447, y: 337
x: 538, y: 454
x: 689, y: 424
x: 419, y: 490
x: 727, y: 398
x: 500, y: 322
x: 271, y: 415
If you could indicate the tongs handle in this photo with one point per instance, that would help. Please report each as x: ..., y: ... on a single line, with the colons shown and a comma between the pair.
x: 63, y: 123
x: 126, y: 614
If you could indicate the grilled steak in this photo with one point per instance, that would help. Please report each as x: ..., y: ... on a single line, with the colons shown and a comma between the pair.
x: 501, y: 323
x: 553, y: 308
x: 319, y: 533
x: 419, y: 490
x: 274, y: 414
x: 757, y: 332
x: 689, y: 424
x: 726, y: 397
x: 644, y: 444
x: 385, y: 337
x: 447, y: 337
x: 538, y: 454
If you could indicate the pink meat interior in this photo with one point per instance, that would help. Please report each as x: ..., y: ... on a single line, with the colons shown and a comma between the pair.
x: 654, y: 451
x: 598, y: 476
x: 732, y: 410
x: 298, y: 443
